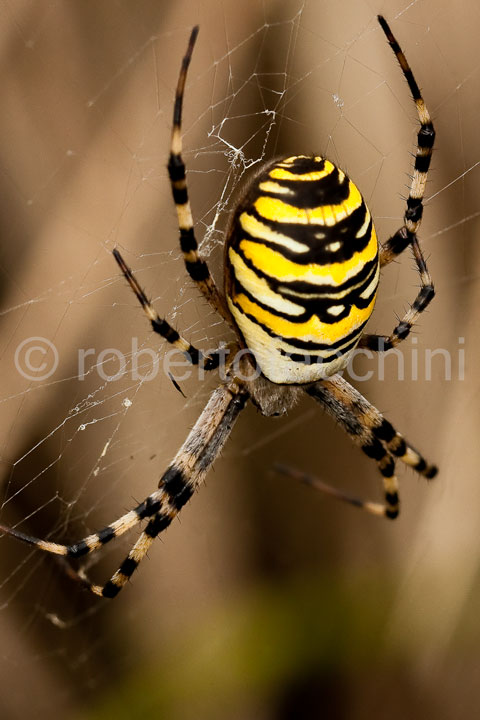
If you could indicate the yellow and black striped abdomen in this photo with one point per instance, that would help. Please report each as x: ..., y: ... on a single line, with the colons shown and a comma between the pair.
x: 301, y: 269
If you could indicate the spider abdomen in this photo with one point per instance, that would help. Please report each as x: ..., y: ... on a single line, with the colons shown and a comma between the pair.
x: 301, y: 269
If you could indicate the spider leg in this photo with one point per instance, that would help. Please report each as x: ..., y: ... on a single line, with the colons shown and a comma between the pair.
x: 425, y: 139
x: 336, y: 401
x: 95, y: 541
x: 369, y: 430
x: 196, y: 267
x: 315, y: 482
x: 380, y: 343
x: 407, y: 234
x: 150, y: 506
x: 176, y: 487
x: 376, y: 427
x: 163, y: 328
x: 182, y: 478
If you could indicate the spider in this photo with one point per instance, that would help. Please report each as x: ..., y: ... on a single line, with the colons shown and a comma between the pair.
x: 301, y: 266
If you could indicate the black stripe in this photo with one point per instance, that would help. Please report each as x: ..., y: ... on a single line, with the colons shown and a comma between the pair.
x: 376, y: 343
x: 105, y: 535
x: 148, y: 508
x: 350, y: 298
x: 304, y: 344
x: 180, y: 195
x: 426, y: 136
x: 329, y: 190
x: 385, y: 431
x: 165, y: 330
x: 363, y: 278
x: 391, y: 498
x: 302, y: 287
x: 177, y: 487
x: 425, y: 296
x: 110, y: 590
x: 176, y: 168
x: 422, y: 163
x: 316, y: 359
x: 128, y: 566
x: 78, y: 549
x: 374, y: 449
x: 398, y: 242
x: 387, y: 467
x: 300, y: 165
x: 344, y: 232
x: 177, y: 108
x: 414, y: 209
x: 402, y: 330
x: 420, y: 466
x: 187, y: 240
x: 212, y: 360
x: 412, y: 83
x: 317, y: 307
x: 306, y: 288
x: 198, y: 270
x: 193, y: 355
x: 156, y: 525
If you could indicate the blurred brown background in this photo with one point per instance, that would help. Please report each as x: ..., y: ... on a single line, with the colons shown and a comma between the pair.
x: 264, y: 600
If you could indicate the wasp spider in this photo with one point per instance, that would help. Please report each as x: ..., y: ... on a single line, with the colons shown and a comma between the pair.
x: 302, y: 266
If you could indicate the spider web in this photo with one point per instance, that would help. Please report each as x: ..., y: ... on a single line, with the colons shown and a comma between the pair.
x: 85, y: 137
